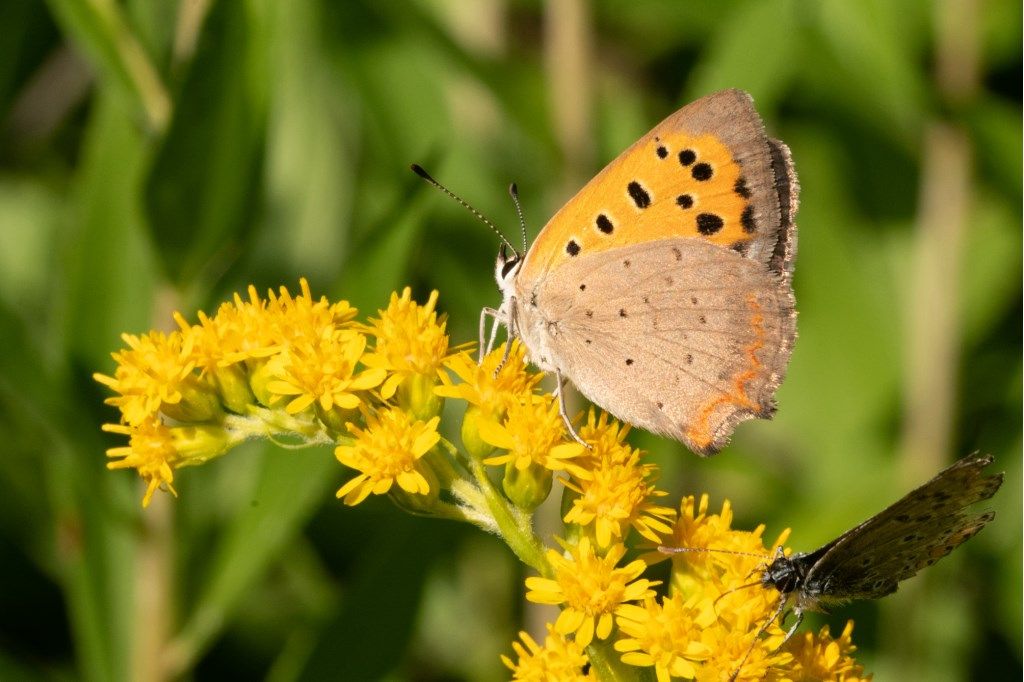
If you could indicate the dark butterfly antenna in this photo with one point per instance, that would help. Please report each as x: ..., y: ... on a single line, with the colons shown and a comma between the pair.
x: 418, y: 170
x: 735, y: 589
x: 514, y: 192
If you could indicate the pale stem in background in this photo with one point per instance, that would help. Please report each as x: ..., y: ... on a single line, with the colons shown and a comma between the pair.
x: 933, y: 335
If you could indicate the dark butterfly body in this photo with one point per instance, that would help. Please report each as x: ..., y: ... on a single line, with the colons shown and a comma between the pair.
x: 869, y: 561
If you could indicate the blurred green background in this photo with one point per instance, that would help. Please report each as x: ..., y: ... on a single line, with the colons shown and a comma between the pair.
x: 159, y: 154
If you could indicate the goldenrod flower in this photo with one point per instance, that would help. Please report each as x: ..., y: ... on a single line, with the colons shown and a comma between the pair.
x: 155, y: 450
x: 725, y: 568
x: 533, y: 433
x: 618, y: 492
x: 237, y: 332
x: 322, y: 371
x: 666, y: 635
x: 606, y: 435
x: 410, y: 341
x: 155, y: 374
x: 590, y: 588
x: 303, y: 369
x: 488, y: 390
x: 150, y: 450
x: 386, y: 452
x: 737, y: 559
x: 559, y: 660
x: 482, y: 387
x: 298, y: 319
x: 730, y: 648
x: 820, y: 657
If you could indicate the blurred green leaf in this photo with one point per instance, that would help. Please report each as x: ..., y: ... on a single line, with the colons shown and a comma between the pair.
x: 746, y: 55
x: 289, y: 487
x: 107, y: 261
x: 100, y: 29
x: 201, y: 188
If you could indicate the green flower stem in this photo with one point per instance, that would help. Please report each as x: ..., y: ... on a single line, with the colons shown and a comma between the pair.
x: 443, y: 466
x: 262, y: 422
x: 515, y: 528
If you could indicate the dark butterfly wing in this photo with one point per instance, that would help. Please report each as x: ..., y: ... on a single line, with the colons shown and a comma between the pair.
x: 870, y: 560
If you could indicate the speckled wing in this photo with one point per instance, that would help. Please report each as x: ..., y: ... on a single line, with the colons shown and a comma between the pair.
x: 869, y: 561
x: 678, y: 336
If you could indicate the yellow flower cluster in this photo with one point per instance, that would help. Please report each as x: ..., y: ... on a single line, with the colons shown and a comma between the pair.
x: 306, y: 369
x: 282, y: 365
x: 709, y: 624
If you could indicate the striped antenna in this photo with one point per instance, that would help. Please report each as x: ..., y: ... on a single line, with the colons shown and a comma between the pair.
x: 514, y: 192
x: 418, y: 170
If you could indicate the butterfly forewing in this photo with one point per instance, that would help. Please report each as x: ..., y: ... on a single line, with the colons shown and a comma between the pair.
x: 708, y: 172
x: 926, y: 525
x: 679, y: 337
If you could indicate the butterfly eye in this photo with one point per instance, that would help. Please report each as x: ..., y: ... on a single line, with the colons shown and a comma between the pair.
x: 506, y: 262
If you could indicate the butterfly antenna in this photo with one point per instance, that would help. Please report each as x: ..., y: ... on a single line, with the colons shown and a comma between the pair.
x: 514, y: 192
x: 665, y: 549
x: 418, y: 170
x: 735, y: 589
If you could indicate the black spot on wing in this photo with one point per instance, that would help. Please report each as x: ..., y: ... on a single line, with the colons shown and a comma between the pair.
x: 604, y: 224
x: 741, y: 187
x: 572, y: 248
x: 747, y: 220
x: 709, y: 223
x: 702, y: 172
x: 638, y: 194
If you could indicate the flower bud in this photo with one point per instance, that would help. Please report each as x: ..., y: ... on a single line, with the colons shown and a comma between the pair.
x: 526, y: 488
x: 199, y: 403
x: 415, y: 502
x: 261, y: 373
x: 416, y: 396
x: 336, y: 417
x: 198, y: 444
x: 475, y: 446
x: 233, y: 386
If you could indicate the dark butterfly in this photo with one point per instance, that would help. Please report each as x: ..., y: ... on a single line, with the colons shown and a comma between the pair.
x: 870, y: 560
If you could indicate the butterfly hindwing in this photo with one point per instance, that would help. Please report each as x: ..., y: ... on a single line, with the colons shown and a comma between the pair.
x: 677, y: 336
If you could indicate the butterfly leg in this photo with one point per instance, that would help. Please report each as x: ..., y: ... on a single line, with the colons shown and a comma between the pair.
x: 757, y: 636
x: 560, y: 394
x: 494, y: 331
x: 511, y: 323
x: 485, y: 349
x: 799, y: 619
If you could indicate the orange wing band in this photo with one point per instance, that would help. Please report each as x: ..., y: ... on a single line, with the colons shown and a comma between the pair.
x: 699, y: 432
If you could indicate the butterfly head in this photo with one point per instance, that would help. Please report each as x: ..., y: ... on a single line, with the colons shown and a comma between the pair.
x: 507, y: 267
x: 785, y: 574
